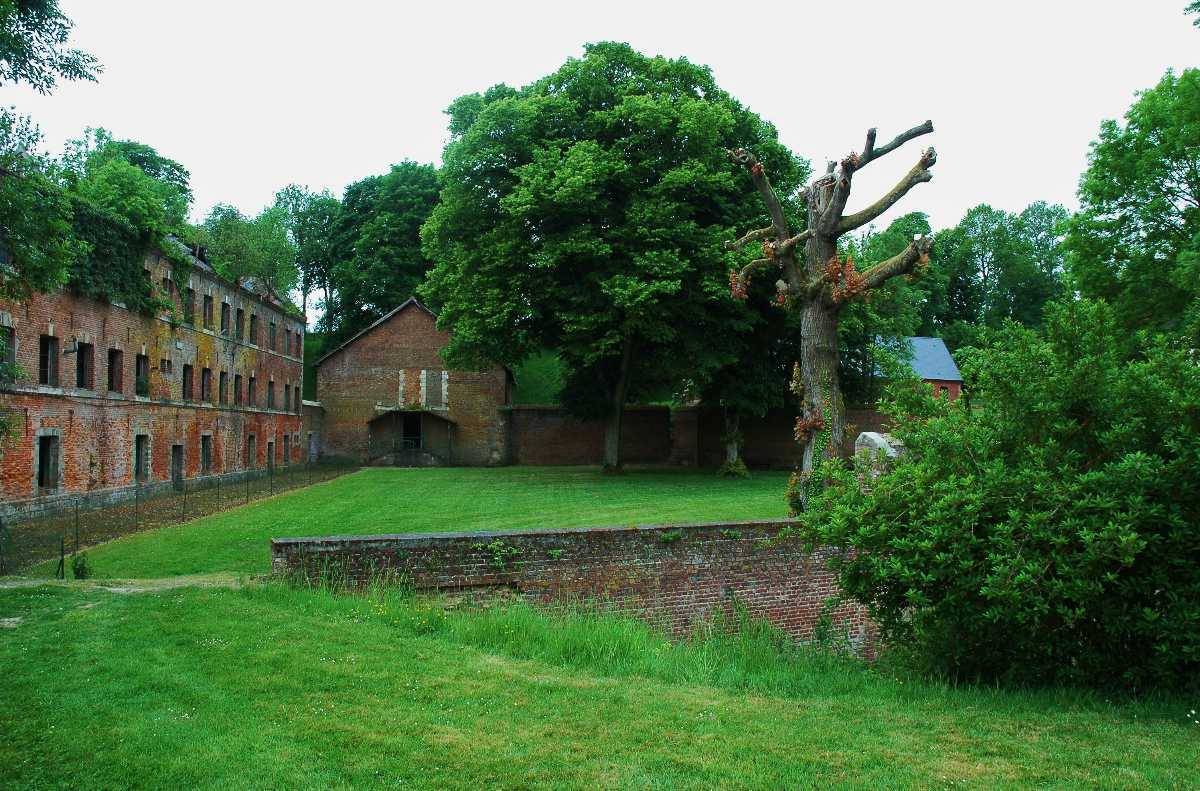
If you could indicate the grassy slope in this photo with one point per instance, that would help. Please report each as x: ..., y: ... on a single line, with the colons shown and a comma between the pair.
x: 388, y: 500
x: 270, y: 687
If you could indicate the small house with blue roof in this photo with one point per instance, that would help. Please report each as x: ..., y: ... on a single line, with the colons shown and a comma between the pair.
x: 932, y: 362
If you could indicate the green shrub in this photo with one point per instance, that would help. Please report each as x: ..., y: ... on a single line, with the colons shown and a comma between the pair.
x: 1048, y: 531
x: 79, y: 566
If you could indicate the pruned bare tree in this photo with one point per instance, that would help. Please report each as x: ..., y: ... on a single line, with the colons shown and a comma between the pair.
x: 818, y: 282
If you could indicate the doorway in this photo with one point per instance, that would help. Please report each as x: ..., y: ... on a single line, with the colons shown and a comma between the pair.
x: 410, y: 430
x: 177, y: 467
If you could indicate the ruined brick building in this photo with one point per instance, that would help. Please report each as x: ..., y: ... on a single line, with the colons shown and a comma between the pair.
x: 387, y: 397
x: 108, y: 398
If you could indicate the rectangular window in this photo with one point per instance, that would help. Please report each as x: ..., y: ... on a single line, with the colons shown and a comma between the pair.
x: 251, y: 453
x: 48, y: 361
x: 271, y: 338
x: 187, y: 382
x: 287, y: 398
x: 287, y: 449
x: 270, y: 395
x: 8, y: 345
x: 85, y: 366
x: 271, y: 454
x: 254, y: 329
x: 224, y: 318
x: 208, y: 311
x: 206, y: 385
x: 223, y: 388
x: 141, y: 375
x: 433, y: 388
x: 141, y: 458
x: 298, y: 403
x: 241, y: 324
x: 116, y: 371
x: 287, y: 341
x: 237, y: 389
x: 189, y: 306
x: 251, y: 394
x: 166, y: 286
x: 205, y: 454
x: 47, y: 472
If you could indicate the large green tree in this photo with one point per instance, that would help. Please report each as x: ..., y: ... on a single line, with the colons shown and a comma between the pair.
x: 311, y: 220
x: 376, y: 245
x: 584, y: 214
x: 257, y: 247
x: 994, y: 266
x: 1136, y: 239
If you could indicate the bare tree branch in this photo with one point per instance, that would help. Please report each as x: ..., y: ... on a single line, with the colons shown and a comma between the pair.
x: 832, y: 212
x: 917, y: 175
x: 774, y: 207
x: 787, y: 244
x: 916, y: 254
x: 753, y: 236
x: 871, y: 153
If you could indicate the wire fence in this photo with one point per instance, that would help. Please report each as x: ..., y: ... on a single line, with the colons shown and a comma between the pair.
x: 77, y: 525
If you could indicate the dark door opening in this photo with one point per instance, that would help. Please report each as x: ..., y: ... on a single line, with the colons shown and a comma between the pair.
x: 47, y: 473
x: 410, y: 430
x: 177, y: 467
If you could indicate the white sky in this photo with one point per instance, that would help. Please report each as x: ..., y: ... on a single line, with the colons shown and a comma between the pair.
x: 252, y: 95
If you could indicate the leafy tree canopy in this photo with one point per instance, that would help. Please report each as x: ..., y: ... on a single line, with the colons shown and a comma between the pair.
x: 33, y: 46
x: 259, y: 248
x: 1136, y: 239
x: 37, y: 245
x: 992, y: 267
x: 311, y: 219
x: 586, y: 213
x: 376, y: 245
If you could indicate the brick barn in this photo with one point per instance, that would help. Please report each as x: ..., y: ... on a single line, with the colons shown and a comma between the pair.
x: 932, y: 362
x: 108, y: 399
x: 387, y: 398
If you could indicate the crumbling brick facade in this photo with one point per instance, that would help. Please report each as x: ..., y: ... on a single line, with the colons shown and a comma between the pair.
x: 387, y: 387
x: 121, y: 398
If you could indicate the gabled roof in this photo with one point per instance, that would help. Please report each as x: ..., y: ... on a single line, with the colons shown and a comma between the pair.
x: 410, y: 301
x: 931, y: 359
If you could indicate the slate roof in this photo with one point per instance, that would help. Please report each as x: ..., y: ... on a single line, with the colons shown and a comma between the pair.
x: 931, y: 359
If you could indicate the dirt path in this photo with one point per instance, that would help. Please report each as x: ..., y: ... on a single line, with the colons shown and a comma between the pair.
x: 218, y: 580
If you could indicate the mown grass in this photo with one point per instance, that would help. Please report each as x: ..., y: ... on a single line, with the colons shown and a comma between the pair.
x: 390, y: 500
x: 274, y: 687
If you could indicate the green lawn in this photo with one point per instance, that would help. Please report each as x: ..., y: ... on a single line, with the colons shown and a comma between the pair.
x: 269, y: 687
x: 391, y: 500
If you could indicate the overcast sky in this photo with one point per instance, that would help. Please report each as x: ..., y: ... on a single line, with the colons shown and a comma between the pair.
x: 252, y: 95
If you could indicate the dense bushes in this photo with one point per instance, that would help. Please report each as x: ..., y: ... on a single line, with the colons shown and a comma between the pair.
x: 1047, y: 531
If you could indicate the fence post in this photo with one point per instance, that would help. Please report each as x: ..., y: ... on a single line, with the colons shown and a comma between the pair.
x: 137, y: 496
x: 185, y: 499
x: 61, y: 571
x: 76, y: 525
x: 247, y: 476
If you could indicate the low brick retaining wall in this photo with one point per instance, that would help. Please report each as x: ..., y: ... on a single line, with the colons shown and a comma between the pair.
x: 676, y: 576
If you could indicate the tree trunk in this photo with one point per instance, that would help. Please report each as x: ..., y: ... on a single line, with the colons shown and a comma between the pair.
x: 822, y: 421
x: 612, y: 429
x: 733, y: 439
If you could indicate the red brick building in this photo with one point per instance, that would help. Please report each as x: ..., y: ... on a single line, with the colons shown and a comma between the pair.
x: 387, y: 397
x: 109, y: 398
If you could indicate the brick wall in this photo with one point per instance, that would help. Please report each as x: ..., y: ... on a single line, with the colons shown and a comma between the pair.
x: 547, y: 435
x: 677, y: 577
x: 96, y: 424
x: 770, y: 441
x: 383, y: 368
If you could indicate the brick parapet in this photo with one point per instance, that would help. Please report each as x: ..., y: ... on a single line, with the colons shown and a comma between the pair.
x: 677, y: 576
